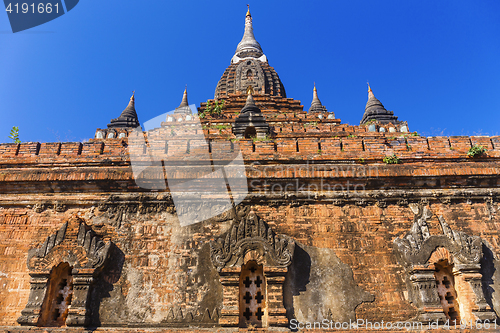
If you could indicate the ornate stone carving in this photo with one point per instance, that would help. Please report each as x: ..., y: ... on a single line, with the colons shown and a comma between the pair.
x: 39, y: 207
x: 164, y: 202
x: 418, y: 248
x: 251, y: 239
x: 445, y: 200
x: 402, y: 202
x: 338, y: 202
x: 361, y: 202
x: 251, y: 233
x: 59, y: 207
x: 417, y: 245
x: 177, y: 317
x: 76, y: 244
x: 424, y: 201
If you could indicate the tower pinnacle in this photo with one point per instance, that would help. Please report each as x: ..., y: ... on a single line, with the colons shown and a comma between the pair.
x: 370, y: 92
x: 248, y: 47
x: 183, y: 108
x: 128, y: 117
x: 316, y: 105
x: 375, y: 110
x: 249, y: 66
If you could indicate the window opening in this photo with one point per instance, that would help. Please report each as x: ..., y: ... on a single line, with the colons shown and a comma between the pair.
x: 58, y: 297
x: 253, y: 307
x: 249, y: 75
x: 250, y: 132
x: 446, y: 290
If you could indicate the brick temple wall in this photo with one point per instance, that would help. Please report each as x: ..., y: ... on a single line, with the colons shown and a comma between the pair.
x: 163, y: 274
x: 167, y: 267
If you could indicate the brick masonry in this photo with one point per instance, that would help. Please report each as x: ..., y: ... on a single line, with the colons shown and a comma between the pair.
x: 165, y: 268
x: 319, y: 182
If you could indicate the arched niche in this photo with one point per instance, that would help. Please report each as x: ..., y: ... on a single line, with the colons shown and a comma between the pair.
x: 251, y: 244
x: 73, y: 255
x: 427, y: 259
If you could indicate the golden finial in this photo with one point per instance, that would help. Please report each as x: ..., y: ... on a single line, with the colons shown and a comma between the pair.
x: 314, y: 86
x: 248, y: 11
x: 133, y: 96
x: 369, y: 88
x: 250, y: 90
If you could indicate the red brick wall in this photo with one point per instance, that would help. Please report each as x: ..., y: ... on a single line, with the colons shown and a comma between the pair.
x: 162, y: 260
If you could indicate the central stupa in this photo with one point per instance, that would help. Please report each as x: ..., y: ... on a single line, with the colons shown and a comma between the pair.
x: 249, y: 67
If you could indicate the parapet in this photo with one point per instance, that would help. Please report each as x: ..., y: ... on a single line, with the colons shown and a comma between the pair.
x: 347, y: 147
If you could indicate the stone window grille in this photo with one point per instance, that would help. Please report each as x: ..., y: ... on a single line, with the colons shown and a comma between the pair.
x: 62, y: 272
x: 58, y: 297
x: 445, y: 283
x: 253, y: 309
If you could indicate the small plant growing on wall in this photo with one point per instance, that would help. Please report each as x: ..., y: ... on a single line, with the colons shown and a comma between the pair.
x: 393, y: 159
x: 212, y: 109
x: 266, y: 138
x: 476, y: 151
x: 14, y: 134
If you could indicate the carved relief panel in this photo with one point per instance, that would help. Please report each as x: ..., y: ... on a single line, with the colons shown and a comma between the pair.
x: 249, y: 73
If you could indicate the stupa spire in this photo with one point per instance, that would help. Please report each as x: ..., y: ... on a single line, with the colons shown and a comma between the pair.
x: 370, y: 92
x: 316, y: 105
x: 251, y: 123
x: 248, y: 47
x: 250, y: 103
x: 375, y: 110
x: 128, y: 117
x: 184, y: 98
x: 184, y: 108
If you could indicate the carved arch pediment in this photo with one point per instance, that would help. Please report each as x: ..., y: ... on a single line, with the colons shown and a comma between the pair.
x: 417, y: 246
x: 251, y: 233
x: 78, y: 247
x: 74, y: 243
x: 419, y: 253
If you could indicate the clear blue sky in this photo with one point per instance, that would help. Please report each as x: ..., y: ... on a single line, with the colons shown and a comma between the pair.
x: 434, y: 63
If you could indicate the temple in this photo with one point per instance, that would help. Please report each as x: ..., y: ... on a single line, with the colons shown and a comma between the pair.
x: 251, y: 213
